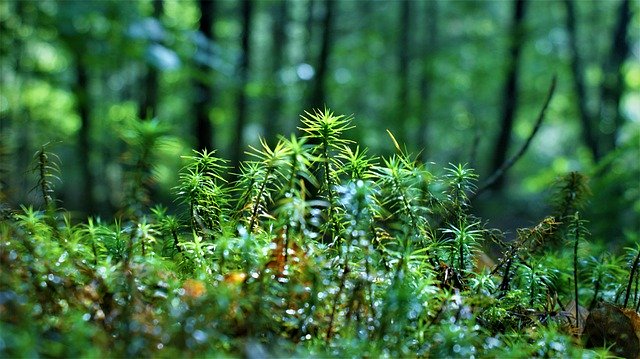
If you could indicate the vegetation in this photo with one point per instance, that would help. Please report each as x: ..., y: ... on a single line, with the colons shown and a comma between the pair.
x: 316, y: 248
x: 482, y: 200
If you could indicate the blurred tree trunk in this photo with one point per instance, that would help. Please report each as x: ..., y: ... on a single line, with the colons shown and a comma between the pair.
x: 588, y: 133
x: 613, y: 85
x: 279, y: 41
x: 243, y: 74
x: 149, y: 103
x: 429, y: 49
x: 81, y: 92
x: 317, y: 97
x: 609, y: 116
x: 21, y: 123
x: 310, y: 24
x: 204, y: 88
x: 510, y: 95
x: 403, y: 111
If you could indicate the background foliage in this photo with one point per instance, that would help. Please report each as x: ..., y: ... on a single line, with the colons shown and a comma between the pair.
x: 78, y: 74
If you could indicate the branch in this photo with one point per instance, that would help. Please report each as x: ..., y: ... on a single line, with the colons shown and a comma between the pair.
x: 506, y: 165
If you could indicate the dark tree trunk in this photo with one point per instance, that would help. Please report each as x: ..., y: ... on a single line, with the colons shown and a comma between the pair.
x: 309, y: 24
x: 510, y: 95
x: 317, y: 98
x: 613, y: 86
x: 81, y: 92
x: 149, y: 102
x: 403, y: 111
x: 588, y: 133
x: 279, y: 36
x: 243, y: 74
x: 204, y: 91
x: 429, y: 48
x: 21, y: 159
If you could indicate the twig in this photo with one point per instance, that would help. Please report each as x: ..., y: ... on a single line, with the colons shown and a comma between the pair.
x: 506, y: 165
x: 632, y: 272
x: 577, y: 235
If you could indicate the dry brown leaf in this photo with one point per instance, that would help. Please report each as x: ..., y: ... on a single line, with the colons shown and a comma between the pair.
x: 278, y: 260
x: 235, y: 277
x: 482, y: 261
x: 193, y: 288
x: 608, y: 325
x: 576, y: 327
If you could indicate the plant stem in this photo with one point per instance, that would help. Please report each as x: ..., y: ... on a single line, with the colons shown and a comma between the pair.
x: 176, y: 243
x: 461, y: 253
x: 596, y: 291
x: 256, y: 207
x: 343, y: 281
x: 327, y: 176
x: 504, y: 286
x: 632, y: 272
x: 575, y: 267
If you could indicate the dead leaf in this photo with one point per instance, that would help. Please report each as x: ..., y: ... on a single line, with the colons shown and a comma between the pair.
x: 609, y: 325
x: 193, y: 288
x: 482, y: 261
x: 279, y: 258
x: 235, y: 277
x: 576, y: 326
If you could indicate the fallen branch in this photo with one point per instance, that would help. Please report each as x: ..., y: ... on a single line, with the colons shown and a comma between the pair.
x: 506, y: 165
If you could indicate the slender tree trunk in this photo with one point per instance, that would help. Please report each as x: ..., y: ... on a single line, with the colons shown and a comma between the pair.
x: 204, y: 90
x: 20, y: 159
x: 317, y: 98
x: 81, y: 92
x: 429, y: 49
x: 613, y: 86
x: 588, y: 133
x: 243, y: 75
x: 279, y: 37
x: 149, y: 102
x: 403, y: 111
x: 309, y: 24
x: 510, y: 95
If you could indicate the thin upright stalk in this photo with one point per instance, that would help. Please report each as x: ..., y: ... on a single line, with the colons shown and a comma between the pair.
x: 256, y: 207
x: 632, y: 272
x: 575, y: 268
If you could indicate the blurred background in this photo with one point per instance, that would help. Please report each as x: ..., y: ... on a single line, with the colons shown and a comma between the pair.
x: 456, y: 81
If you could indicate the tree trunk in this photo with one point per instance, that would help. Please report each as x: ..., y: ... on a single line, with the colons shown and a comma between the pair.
x: 81, y: 92
x: 204, y: 90
x: 243, y: 74
x: 510, y: 95
x: 403, y: 111
x: 613, y: 86
x: 310, y: 23
x: 317, y: 98
x: 149, y: 103
x: 589, y: 135
x: 279, y: 36
x: 429, y: 48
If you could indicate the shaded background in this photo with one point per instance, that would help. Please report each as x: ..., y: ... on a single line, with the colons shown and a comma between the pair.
x: 456, y: 81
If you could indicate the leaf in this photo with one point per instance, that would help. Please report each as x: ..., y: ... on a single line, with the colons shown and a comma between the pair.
x: 570, y: 314
x: 482, y: 261
x: 193, y: 288
x: 395, y: 142
x: 278, y: 260
x: 235, y: 277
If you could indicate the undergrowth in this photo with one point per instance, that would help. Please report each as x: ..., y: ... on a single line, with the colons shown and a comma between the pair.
x: 317, y: 248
